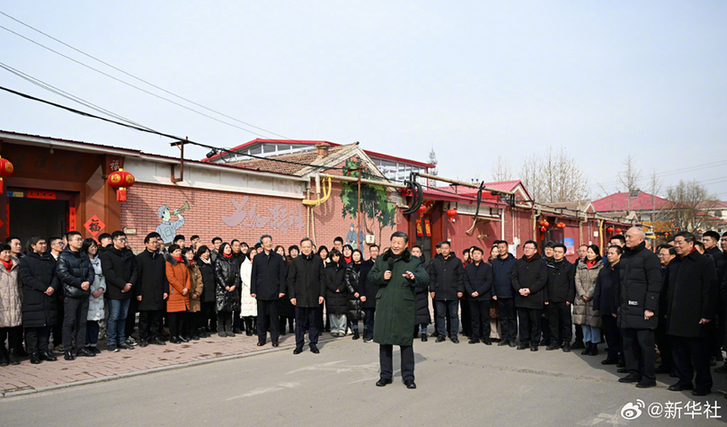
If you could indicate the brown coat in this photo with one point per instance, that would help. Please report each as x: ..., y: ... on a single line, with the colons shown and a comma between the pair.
x: 195, y: 305
x: 583, y: 312
x: 179, y: 280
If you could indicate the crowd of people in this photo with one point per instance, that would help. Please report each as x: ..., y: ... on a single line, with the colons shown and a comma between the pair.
x: 73, y: 291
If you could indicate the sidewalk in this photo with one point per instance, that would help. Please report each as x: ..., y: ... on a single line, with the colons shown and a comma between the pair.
x: 27, y: 378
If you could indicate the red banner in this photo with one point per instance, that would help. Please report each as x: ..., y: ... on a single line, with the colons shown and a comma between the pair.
x: 420, y: 233
x: 428, y: 227
x: 41, y: 194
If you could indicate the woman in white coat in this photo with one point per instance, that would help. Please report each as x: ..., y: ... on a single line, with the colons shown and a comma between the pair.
x: 248, y: 304
x: 95, y: 300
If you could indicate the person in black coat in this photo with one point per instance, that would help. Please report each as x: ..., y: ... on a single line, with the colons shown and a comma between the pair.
x: 354, y: 290
x: 529, y: 278
x: 37, y: 275
x: 446, y: 286
x: 710, y: 239
x: 502, y: 292
x: 206, y: 266
x: 227, y: 290
x: 560, y: 291
x: 267, y: 286
x: 691, y: 308
x: 119, y: 269
x: 478, y: 283
x: 604, y: 301
x: 666, y: 254
x: 336, y: 293
x: 306, y: 290
x: 638, y: 307
x: 421, y: 300
x: 151, y: 290
x: 76, y: 275
x: 286, y: 310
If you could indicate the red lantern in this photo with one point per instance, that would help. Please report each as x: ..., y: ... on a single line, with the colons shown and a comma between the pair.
x: 542, y: 222
x: 451, y: 213
x: 6, y: 169
x: 618, y: 231
x: 121, y: 181
x: 560, y: 225
x: 543, y: 229
x: 422, y: 209
x: 610, y: 229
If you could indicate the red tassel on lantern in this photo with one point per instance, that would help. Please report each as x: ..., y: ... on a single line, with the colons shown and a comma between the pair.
x: 121, y: 194
x: 121, y: 181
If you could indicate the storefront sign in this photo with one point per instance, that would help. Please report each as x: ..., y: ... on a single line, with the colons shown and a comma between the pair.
x: 41, y: 194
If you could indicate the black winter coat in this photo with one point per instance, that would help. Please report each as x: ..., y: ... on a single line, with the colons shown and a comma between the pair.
x: 267, y: 280
x: 119, y: 268
x: 152, y: 281
x: 353, y: 279
x: 285, y: 307
x: 36, y: 274
x: 692, y: 295
x: 367, y: 289
x: 306, y: 280
x: 336, y: 302
x: 227, y: 273
x: 561, y: 285
x: 640, y: 286
x: 531, y: 274
x: 207, y: 271
x: 74, y: 268
x: 478, y: 278
x: 446, y: 277
x: 502, y: 276
x: 604, y: 296
x: 421, y: 301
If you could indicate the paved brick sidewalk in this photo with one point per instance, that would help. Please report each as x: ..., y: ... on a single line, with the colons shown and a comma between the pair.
x: 28, y: 378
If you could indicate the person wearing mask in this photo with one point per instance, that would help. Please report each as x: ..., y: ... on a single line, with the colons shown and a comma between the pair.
x: 248, y: 305
x: 11, y: 308
x: 40, y: 285
x: 397, y: 274
x: 638, y: 307
x: 583, y: 312
x: 529, y: 278
x: 478, y: 283
x: 151, y: 291
x: 354, y: 312
x: 502, y: 292
x: 446, y: 287
x: 119, y: 269
x: 95, y: 300
x: 196, y: 290
x: 75, y: 272
x: 203, y: 259
x: 560, y: 293
x: 306, y: 289
x: 180, y: 285
x: 267, y: 286
x: 692, y: 292
x: 227, y: 300
x: 421, y: 300
x: 336, y: 299
x: 666, y: 254
x: 604, y: 302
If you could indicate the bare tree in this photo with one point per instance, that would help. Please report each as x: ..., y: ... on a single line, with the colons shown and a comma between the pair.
x: 688, y: 203
x: 657, y: 211
x: 630, y: 177
x: 501, y: 171
x: 554, y: 177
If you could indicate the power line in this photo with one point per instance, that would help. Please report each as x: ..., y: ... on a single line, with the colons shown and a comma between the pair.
x: 134, y: 86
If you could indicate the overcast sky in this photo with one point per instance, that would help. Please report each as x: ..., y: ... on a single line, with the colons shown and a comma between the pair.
x: 472, y: 80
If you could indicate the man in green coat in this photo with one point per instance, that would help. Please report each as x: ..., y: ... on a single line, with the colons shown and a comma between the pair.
x: 396, y: 273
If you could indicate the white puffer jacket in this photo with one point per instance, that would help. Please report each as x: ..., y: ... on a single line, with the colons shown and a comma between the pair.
x: 248, y: 304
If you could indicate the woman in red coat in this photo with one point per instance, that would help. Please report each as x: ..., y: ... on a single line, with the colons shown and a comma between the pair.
x: 179, y: 288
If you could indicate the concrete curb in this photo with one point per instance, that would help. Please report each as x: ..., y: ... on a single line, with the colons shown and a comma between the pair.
x: 151, y: 371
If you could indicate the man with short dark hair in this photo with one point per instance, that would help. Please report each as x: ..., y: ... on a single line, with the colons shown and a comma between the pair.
x: 502, y: 268
x: 180, y: 240
x: 446, y: 286
x: 104, y: 242
x: 338, y: 244
x: 306, y: 290
x: 560, y: 291
x: 478, y: 283
x: 119, y: 269
x: 618, y: 240
x: 529, y: 278
x: 666, y: 254
x: 691, y: 307
x: 151, y: 291
x: 216, y: 243
x: 194, y: 241
x: 267, y: 285
x: 368, y: 295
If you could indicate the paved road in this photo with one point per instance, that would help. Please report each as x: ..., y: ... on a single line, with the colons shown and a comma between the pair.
x: 469, y: 384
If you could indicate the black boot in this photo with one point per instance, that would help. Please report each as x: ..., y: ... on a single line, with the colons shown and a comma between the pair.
x: 248, y: 327
x: 355, y: 334
x: 12, y: 358
x: 3, y: 355
x: 594, y: 349
x: 587, y: 346
x: 35, y: 358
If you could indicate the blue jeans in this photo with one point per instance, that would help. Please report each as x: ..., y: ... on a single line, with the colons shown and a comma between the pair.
x: 118, y: 308
x: 591, y: 334
x: 442, y: 307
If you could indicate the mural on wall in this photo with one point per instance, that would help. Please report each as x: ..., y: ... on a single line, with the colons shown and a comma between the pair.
x: 351, y: 238
x: 279, y: 218
x: 168, y: 229
x: 376, y: 210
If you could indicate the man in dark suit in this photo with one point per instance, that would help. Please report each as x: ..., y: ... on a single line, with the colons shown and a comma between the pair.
x: 267, y: 285
x: 306, y: 288
x: 529, y: 278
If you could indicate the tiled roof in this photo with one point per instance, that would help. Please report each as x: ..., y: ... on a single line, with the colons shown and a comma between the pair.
x: 620, y: 202
x: 305, y: 158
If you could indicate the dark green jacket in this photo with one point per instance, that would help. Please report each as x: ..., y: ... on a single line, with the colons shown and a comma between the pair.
x: 394, y: 321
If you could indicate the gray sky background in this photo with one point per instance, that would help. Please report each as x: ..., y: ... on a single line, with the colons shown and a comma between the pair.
x: 473, y: 80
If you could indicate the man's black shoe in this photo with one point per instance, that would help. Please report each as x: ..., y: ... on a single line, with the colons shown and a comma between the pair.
x: 383, y: 382
x: 260, y: 343
x: 522, y: 346
x: 157, y: 341
x: 533, y: 347
x: 455, y: 340
x: 680, y: 386
x: 314, y: 349
x: 125, y: 346
x: 701, y: 392
x: 502, y: 343
x: 175, y: 340
x: 69, y: 355
x: 512, y: 343
x: 370, y: 339
x: 410, y: 384
x: 35, y: 359
x: 608, y: 361
x: 423, y: 337
x: 486, y: 341
x: 441, y: 338
x: 630, y: 378
x: 275, y: 343
x: 143, y: 343
x: 622, y: 370
x: 297, y: 350
x: 552, y: 346
x: 473, y: 341
x: 565, y: 347
x: 183, y: 338
x: 644, y: 383
x: 47, y: 355
x: 84, y: 352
